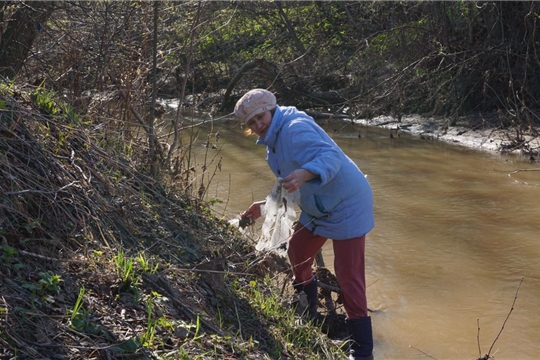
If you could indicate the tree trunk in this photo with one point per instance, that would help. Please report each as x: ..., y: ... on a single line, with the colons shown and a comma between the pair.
x: 151, y: 130
x: 21, y: 31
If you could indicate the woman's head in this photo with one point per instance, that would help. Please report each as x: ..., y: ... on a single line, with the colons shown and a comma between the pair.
x: 254, y: 102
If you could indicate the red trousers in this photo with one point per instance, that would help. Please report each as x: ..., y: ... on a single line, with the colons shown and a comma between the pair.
x: 349, y: 266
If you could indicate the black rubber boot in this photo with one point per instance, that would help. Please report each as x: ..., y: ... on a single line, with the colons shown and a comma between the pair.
x: 361, y: 339
x: 311, y: 294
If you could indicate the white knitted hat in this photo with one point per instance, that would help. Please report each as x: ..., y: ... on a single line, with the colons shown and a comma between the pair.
x: 254, y: 102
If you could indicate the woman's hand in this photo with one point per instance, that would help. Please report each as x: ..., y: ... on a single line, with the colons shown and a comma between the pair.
x: 254, y: 211
x: 295, y: 179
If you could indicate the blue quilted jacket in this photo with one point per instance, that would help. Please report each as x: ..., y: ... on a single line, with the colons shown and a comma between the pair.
x: 338, y: 204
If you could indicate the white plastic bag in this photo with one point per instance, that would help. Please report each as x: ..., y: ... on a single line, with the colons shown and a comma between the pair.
x: 280, y: 215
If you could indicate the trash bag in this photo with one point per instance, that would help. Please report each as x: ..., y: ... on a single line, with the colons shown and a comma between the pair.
x: 280, y: 215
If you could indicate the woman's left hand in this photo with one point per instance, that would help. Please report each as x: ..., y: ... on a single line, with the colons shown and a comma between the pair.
x: 295, y: 179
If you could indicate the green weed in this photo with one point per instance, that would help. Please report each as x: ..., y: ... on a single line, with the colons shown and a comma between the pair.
x: 8, y: 257
x: 46, y: 101
x: 80, y: 317
x: 96, y: 254
x: 148, y: 338
x: 126, y: 271
x: 7, y: 88
x: 50, y: 282
x: 145, y: 265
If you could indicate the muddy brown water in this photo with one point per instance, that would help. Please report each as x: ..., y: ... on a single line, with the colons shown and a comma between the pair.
x: 455, y: 234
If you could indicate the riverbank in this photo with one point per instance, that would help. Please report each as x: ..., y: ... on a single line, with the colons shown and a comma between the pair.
x: 98, y: 259
x: 481, y: 132
x: 477, y: 132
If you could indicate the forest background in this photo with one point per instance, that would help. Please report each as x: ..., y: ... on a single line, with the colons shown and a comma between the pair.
x: 357, y: 59
x: 78, y: 77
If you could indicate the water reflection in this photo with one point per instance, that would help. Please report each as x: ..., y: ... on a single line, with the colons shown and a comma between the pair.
x: 454, y: 236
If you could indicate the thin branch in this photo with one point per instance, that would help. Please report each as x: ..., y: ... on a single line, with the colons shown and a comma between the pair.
x: 51, y: 259
x: 423, y: 352
x: 40, y: 191
x: 520, y: 170
x: 507, y: 317
x: 478, y: 338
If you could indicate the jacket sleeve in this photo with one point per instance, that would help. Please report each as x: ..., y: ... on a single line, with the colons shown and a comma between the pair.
x: 312, y: 151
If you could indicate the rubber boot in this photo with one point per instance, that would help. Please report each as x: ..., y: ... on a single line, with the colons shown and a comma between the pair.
x: 311, y: 294
x: 361, y: 338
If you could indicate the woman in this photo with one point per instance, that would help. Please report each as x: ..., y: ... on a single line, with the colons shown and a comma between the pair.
x: 335, y: 198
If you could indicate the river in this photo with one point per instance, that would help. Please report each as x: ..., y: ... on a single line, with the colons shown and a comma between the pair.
x: 455, y: 234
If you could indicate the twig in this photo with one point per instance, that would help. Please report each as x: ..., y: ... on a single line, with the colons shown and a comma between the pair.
x: 238, y: 318
x: 478, y: 338
x: 423, y: 352
x: 40, y: 191
x: 520, y: 170
x: 214, y: 271
x: 505, y: 320
x: 53, y: 260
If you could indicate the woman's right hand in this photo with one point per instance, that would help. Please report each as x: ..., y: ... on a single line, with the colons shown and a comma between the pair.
x: 254, y: 211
